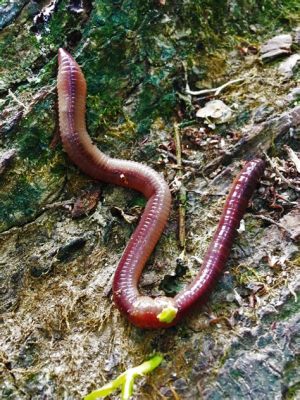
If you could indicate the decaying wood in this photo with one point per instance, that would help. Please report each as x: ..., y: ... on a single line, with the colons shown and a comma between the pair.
x: 258, y: 138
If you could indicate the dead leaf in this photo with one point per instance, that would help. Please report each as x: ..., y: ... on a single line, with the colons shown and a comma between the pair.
x: 86, y: 203
x: 216, y: 110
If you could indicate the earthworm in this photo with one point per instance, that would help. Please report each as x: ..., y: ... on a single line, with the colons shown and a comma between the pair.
x: 145, y: 311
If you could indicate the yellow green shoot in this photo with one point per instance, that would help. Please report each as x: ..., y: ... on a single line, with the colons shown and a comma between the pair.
x: 167, y: 315
x: 125, y: 381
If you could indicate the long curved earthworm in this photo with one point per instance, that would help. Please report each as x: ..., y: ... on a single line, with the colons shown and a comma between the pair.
x: 144, y: 311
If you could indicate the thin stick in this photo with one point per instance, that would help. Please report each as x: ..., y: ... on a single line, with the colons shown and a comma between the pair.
x: 182, y: 189
x: 14, y: 97
x: 58, y: 204
x: 216, y: 91
x: 183, y: 161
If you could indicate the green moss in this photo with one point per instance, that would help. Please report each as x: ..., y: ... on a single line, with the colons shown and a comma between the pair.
x: 19, y: 203
x: 35, y: 134
x: 154, y: 103
x: 38, y: 170
x: 138, y: 201
x: 131, y: 46
x: 290, y: 308
x: 128, y: 59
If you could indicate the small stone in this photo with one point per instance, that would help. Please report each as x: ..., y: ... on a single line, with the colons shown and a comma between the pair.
x: 275, y: 47
x: 287, y: 67
x: 5, y: 159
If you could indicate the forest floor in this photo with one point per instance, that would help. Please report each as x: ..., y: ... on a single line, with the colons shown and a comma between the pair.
x: 151, y: 70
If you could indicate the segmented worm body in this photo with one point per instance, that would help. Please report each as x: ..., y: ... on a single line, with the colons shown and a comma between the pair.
x: 144, y: 311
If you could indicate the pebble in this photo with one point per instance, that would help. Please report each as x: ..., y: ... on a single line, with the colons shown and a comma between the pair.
x: 6, y: 158
x: 287, y: 67
x: 276, y: 46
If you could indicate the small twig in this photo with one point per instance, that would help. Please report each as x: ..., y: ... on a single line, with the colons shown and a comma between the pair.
x: 216, y: 91
x: 268, y: 219
x: 170, y: 155
x: 45, y: 91
x: 284, y: 179
x: 192, y: 163
x: 174, y: 393
x: 182, y: 189
x: 58, y: 204
x: 14, y: 97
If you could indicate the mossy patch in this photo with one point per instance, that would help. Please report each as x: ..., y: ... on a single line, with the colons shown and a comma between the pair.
x: 19, y: 203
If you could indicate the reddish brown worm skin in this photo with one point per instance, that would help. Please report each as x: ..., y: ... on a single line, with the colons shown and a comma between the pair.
x: 144, y: 311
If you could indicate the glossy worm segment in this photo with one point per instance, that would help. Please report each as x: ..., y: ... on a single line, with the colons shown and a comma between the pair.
x: 144, y: 311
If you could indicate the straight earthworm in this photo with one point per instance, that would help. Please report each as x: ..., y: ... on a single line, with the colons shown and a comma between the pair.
x: 144, y: 311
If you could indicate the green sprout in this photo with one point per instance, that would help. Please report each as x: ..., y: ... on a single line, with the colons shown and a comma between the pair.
x: 126, y: 380
x: 167, y: 315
